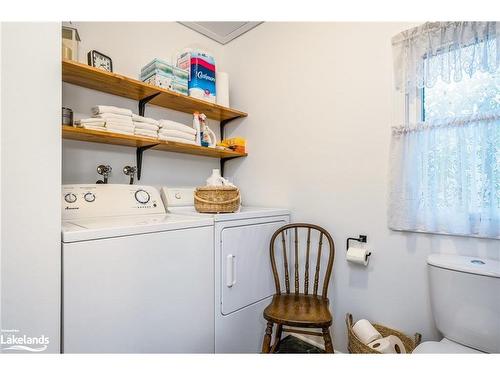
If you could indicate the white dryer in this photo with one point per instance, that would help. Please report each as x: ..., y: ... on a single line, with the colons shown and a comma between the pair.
x: 135, y: 279
x: 243, y: 278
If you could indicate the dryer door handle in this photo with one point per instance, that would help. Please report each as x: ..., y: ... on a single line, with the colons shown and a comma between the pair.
x: 230, y: 270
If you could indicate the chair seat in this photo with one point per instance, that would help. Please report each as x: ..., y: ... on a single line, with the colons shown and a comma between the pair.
x: 300, y: 310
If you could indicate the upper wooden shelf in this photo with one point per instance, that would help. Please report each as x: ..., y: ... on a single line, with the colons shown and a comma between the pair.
x: 86, y: 135
x: 116, y: 84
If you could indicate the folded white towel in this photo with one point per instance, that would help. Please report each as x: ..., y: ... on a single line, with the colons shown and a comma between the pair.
x: 111, y: 125
x: 120, y: 132
x: 147, y: 120
x: 111, y: 109
x: 146, y: 133
x: 113, y: 116
x: 91, y: 120
x: 146, y: 126
x: 175, y: 139
x: 91, y: 127
x: 100, y: 123
x: 172, y: 125
x: 177, y: 134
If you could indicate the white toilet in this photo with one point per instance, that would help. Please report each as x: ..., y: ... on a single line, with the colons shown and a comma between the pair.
x: 465, y: 301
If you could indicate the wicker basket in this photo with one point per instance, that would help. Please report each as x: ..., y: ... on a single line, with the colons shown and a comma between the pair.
x: 217, y: 199
x: 357, y: 347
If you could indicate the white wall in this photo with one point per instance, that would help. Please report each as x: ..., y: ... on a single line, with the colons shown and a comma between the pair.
x: 319, y: 98
x: 31, y: 179
x: 131, y: 46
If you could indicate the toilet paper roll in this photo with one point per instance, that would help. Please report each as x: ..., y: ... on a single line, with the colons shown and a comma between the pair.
x: 222, y: 88
x: 357, y: 255
x: 382, y: 345
x: 397, y: 344
x: 365, y: 332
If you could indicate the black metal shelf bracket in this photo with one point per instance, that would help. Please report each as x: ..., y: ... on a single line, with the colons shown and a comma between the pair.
x: 143, y: 102
x: 222, y: 124
x: 139, y: 152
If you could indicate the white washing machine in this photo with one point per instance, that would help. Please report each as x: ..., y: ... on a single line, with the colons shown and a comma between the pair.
x: 135, y: 279
x: 243, y: 278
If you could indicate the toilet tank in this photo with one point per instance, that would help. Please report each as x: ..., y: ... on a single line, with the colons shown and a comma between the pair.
x: 465, y: 300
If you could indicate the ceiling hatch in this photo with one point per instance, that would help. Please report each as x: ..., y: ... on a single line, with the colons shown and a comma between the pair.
x: 222, y: 32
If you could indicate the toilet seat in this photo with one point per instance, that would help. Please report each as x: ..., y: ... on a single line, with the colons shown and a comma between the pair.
x: 444, y: 346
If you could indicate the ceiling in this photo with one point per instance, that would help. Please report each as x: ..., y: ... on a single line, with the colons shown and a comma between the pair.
x: 222, y: 32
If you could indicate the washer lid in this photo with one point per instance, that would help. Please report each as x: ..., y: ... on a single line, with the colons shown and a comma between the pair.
x: 243, y: 213
x: 119, y: 226
x: 478, y: 266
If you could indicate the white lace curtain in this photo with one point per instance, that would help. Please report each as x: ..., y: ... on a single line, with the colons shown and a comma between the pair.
x: 445, y: 50
x: 445, y: 173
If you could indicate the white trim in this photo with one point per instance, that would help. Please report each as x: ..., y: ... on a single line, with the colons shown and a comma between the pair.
x: 222, y: 39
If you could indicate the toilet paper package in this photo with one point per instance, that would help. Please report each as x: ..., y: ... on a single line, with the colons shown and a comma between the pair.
x: 382, y: 345
x: 357, y: 255
x: 201, y: 68
x: 365, y: 332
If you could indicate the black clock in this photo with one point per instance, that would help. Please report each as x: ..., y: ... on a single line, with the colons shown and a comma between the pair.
x: 99, y: 60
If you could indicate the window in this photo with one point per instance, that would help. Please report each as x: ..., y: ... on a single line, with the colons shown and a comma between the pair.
x: 445, y: 165
x: 473, y: 94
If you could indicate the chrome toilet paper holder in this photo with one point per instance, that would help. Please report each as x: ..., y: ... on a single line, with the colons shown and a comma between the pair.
x: 362, y: 238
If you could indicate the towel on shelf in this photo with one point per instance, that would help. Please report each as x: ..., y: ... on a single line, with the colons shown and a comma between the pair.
x: 146, y: 126
x: 91, y: 127
x: 172, y: 125
x: 121, y: 127
x: 114, y: 117
x: 175, y: 139
x: 177, y: 134
x: 98, y: 109
x: 148, y: 135
x: 145, y: 131
x: 146, y: 120
x: 91, y: 121
x: 120, y: 132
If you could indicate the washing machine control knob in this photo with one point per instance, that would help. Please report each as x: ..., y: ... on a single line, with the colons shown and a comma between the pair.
x: 70, y: 198
x: 142, y: 196
x: 89, y: 197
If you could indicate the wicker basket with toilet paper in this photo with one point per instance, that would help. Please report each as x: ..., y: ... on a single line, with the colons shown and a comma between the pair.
x: 219, y: 196
x: 365, y: 338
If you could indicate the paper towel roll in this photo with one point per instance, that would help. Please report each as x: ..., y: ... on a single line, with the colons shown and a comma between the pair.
x: 397, y: 344
x: 357, y: 255
x: 222, y: 88
x: 365, y: 332
x: 382, y: 345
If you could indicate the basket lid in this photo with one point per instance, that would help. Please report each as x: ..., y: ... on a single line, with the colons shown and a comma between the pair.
x: 211, y: 188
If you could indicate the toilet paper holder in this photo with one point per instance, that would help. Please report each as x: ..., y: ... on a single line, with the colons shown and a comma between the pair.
x: 362, y: 238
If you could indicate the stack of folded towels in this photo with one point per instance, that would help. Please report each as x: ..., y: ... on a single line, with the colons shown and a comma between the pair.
x: 145, y: 126
x: 109, y: 118
x: 118, y: 120
x: 176, y: 132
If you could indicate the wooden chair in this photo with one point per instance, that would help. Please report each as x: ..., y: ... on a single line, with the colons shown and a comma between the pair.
x: 295, y: 309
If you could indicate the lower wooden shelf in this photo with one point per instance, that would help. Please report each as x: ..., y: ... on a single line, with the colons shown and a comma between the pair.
x: 96, y: 136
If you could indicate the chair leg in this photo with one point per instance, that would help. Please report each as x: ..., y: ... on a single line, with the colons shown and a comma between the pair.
x: 266, y: 344
x: 328, y: 340
x: 277, y: 337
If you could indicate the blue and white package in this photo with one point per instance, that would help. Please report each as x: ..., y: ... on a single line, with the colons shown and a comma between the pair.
x: 201, y: 68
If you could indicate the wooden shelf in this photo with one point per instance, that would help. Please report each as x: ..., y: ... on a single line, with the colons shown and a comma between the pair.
x: 80, y: 134
x: 116, y: 84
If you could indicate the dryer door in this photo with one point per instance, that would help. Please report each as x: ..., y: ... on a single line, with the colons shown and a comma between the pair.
x: 245, y: 264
